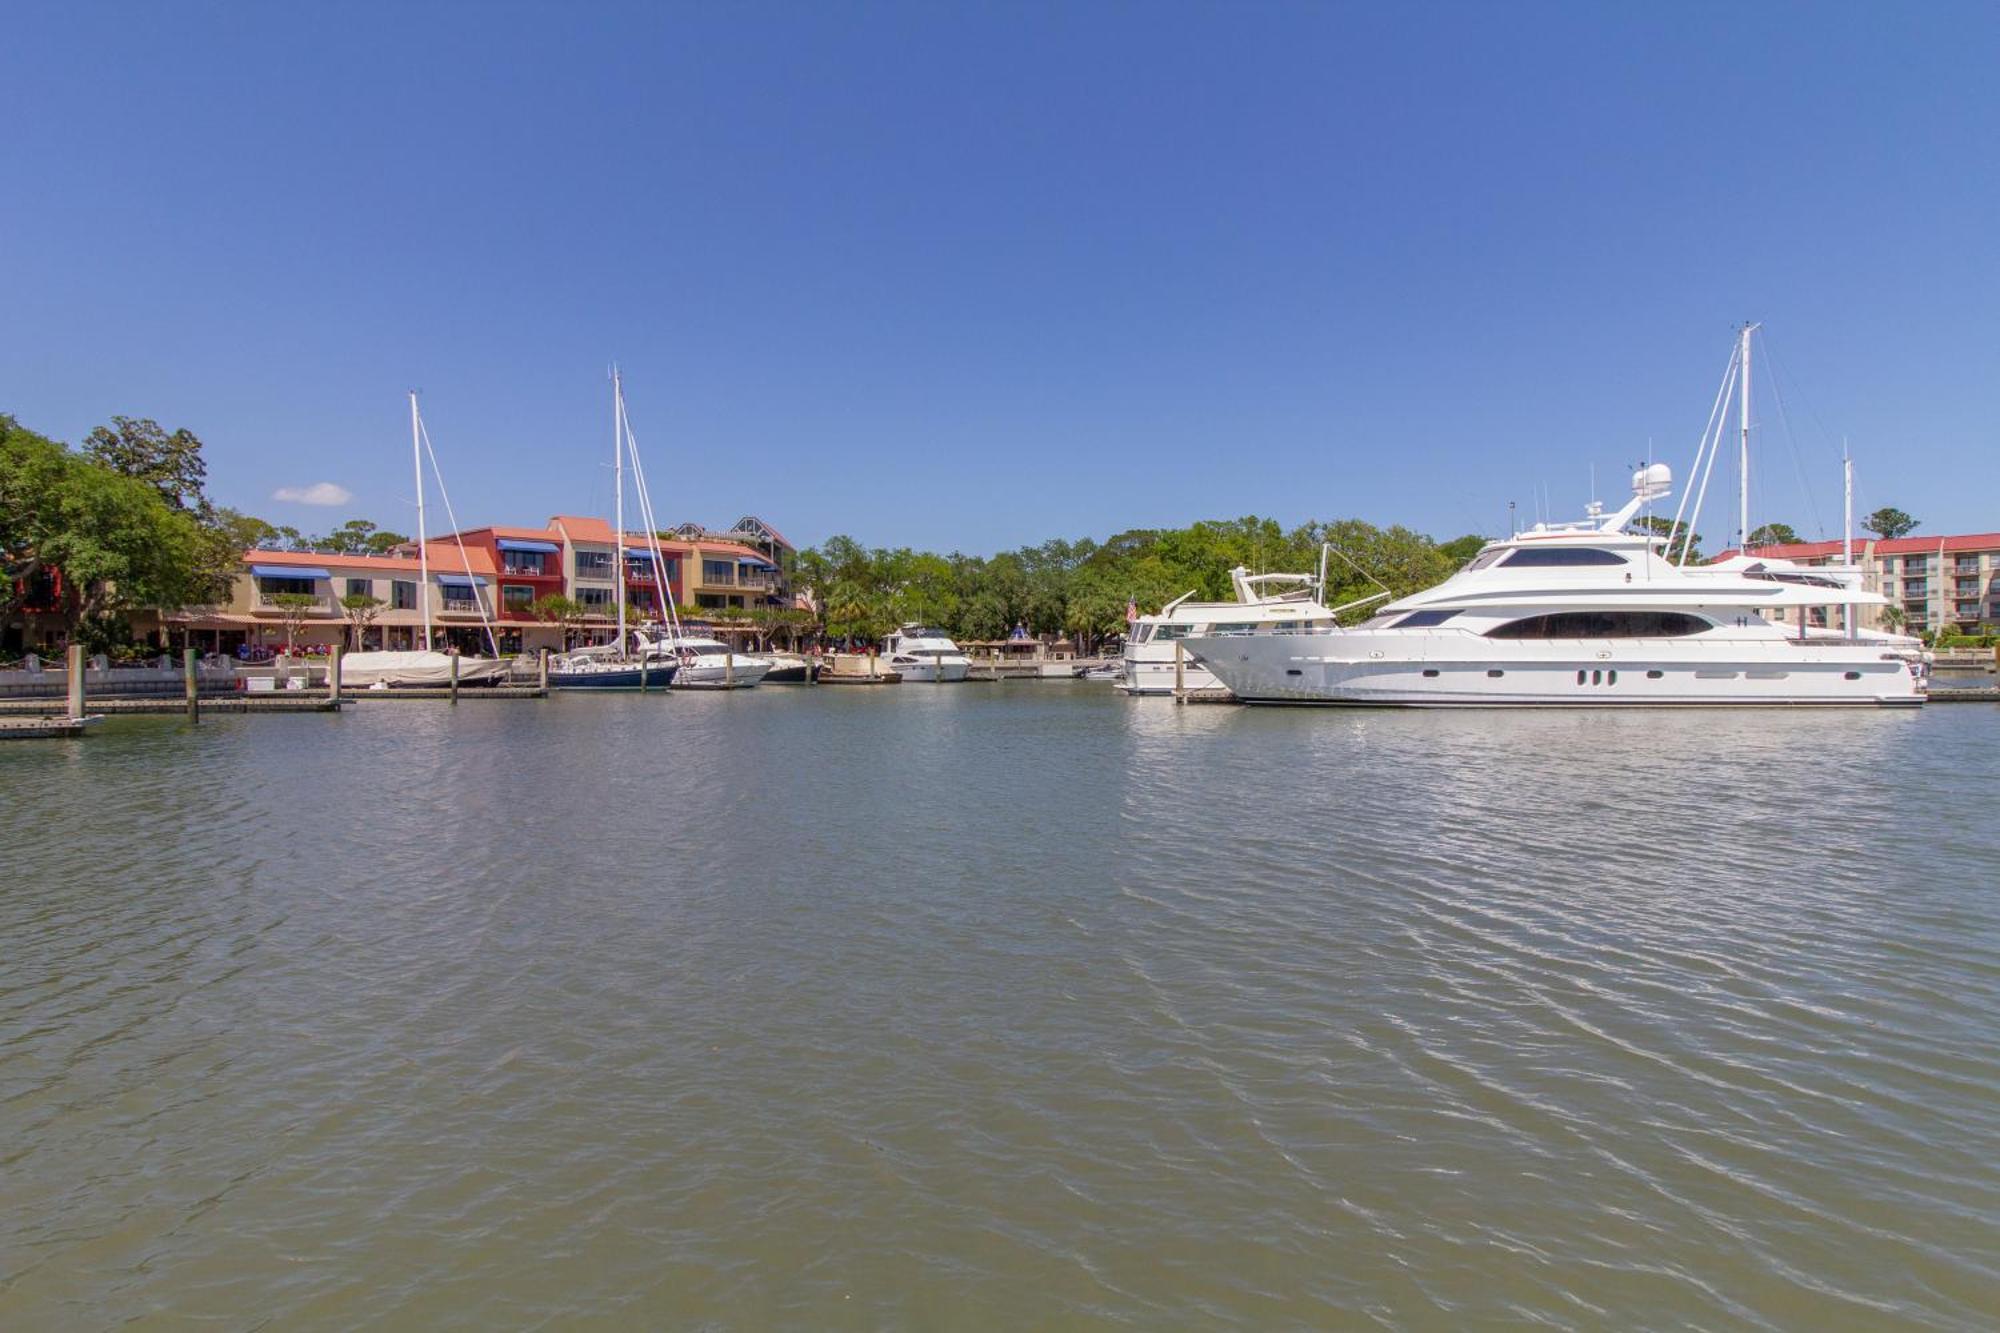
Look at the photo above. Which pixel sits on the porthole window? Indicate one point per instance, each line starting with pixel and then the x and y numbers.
pixel 1430 671
pixel 1854 675
pixel 1495 672
pixel 1579 678
pixel 1655 675
pixel 1612 676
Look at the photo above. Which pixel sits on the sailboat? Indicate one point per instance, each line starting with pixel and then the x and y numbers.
pixel 424 666
pixel 614 665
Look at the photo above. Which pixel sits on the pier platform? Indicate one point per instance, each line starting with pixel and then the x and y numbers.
pixel 42 728
pixel 468 693
pixel 1970 694
pixel 297 702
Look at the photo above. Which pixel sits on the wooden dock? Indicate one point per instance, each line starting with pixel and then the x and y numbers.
pixel 1214 696
pixel 1969 694
pixel 468 693
pixel 293 701
pixel 42 728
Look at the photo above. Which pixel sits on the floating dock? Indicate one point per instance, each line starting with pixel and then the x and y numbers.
pixel 466 692
pixel 42 728
pixel 295 702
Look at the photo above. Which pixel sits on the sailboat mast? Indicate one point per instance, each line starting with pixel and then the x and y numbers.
pixel 1847 531
pixel 618 475
pixel 423 556
pixel 1743 455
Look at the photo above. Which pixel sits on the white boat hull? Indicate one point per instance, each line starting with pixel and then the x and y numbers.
pixel 366 670
pixel 1463 670
pixel 932 672
pixel 713 674
pixel 1147 671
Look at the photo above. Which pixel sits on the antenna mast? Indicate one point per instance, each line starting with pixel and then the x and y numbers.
pixel 1847 532
pixel 423 557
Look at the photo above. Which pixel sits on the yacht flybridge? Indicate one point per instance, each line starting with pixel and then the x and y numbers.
pixel 1587 613
pixel 1267 601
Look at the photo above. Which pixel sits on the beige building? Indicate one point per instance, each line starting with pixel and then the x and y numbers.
pixel 1936 582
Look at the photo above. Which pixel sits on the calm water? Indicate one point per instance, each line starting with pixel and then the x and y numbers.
pixel 997 1005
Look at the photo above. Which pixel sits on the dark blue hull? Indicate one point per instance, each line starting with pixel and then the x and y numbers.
pixel 655 677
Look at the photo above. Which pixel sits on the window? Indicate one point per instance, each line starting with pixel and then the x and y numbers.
pixel 1424 619
pixel 523 562
pixel 1916 564
pixel 593 564
pixel 516 596
pixel 718 571
pixel 1485 558
pixel 1561 557
pixel 592 598
pixel 275 587
pixel 361 587
pixel 403 595
pixel 1602 625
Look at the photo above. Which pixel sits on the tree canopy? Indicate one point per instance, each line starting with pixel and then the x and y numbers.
pixel 1082 588
pixel 1889 522
pixel 1773 534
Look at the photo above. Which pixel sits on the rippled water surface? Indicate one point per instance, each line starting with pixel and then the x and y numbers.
pixel 963 1007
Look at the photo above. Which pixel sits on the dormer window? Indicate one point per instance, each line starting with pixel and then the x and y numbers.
pixel 1561 557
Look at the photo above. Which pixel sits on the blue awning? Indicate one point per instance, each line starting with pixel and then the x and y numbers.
pixel 543 548
pixel 632 554
pixel 289 572
pixel 761 564
pixel 459 581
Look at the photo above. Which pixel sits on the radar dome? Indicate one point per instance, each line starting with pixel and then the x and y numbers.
pixel 1652 481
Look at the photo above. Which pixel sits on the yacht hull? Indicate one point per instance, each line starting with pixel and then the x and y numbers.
pixel 655 677
pixel 1360 670
pixel 1150 672
pixel 716 676
pixel 931 673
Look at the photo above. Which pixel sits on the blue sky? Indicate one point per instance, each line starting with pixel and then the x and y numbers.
pixel 970 276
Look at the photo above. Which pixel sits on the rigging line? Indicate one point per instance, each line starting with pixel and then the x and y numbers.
pixel 1714 414
pixel 1714 451
pixel 464 555
pixel 666 587
pixel 1791 441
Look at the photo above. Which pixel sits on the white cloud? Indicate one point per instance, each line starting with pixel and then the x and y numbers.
pixel 319 493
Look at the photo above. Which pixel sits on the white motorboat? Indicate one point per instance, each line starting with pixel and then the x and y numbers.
pixel 704 663
pixel 1273 601
pixel 1586 613
pixel 417 669
pixel 921 654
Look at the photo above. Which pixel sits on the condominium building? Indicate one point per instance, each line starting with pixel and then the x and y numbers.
pixel 1935 582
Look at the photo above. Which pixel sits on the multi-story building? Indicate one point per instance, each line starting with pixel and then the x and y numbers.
pixel 748 565
pixel 1935 582
pixel 296 597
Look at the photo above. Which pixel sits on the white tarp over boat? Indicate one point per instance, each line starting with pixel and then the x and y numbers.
pixel 363 670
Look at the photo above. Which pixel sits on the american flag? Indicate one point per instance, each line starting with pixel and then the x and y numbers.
pixel 1131 610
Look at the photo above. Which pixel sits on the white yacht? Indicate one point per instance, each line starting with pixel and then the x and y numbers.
pixel 704 663
pixel 921 654
pixel 1272 601
pixel 1586 613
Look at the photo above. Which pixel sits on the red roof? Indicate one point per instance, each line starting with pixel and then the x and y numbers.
pixel 1971 541
pixel 578 529
pixel 549 534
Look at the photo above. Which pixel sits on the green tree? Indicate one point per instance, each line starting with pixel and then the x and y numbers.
pixel 1461 549
pixel 361 609
pixel 1773 534
pixel 293 609
pixel 1893 618
pixel 560 610
pixel 116 541
pixel 142 449
pixel 1682 539
pixel 1889 523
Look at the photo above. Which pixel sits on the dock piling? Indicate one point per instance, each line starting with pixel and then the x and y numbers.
pixel 193 683
pixel 73 665
pixel 1180 668
pixel 333 674
pixel 542 671
pixel 729 667
pixel 454 677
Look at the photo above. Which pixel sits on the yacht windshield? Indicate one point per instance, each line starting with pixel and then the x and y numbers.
pixel 1561 557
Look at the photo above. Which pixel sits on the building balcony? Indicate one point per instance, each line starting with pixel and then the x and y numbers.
pixel 460 606
pixel 508 572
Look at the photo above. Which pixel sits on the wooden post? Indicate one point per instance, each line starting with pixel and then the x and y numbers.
pixel 454 678
pixel 193 685
pixel 871 666
pixel 542 672
pixel 729 666
pixel 643 673
pixel 333 674
pixel 1180 668
pixel 74 668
